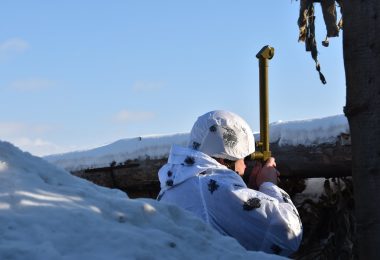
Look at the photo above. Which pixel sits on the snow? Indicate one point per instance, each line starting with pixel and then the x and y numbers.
pixel 309 132
pixel 313 190
pixel 299 132
pixel 46 213
pixel 154 146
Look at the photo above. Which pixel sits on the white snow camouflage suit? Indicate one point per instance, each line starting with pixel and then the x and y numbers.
pixel 264 220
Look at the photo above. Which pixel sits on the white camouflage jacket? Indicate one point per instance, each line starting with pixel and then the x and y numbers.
pixel 264 220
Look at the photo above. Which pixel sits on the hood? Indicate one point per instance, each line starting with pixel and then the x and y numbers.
pixel 184 163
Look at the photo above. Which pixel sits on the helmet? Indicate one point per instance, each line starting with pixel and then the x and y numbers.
pixel 222 134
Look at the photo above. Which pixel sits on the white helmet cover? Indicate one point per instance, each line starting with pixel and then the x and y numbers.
pixel 222 134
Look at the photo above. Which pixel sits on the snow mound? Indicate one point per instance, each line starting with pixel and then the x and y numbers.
pixel 300 132
pixel 309 132
pixel 154 147
pixel 46 213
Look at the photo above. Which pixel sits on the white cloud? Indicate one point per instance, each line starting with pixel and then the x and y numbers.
pixel 147 85
pixel 24 141
pixel 14 45
pixel 9 129
pixel 127 116
pixel 28 138
pixel 39 146
pixel 31 84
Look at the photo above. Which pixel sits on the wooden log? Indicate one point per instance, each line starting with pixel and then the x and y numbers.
pixel 318 161
pixel 139 179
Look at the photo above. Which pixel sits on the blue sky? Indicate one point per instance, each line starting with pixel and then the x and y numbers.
pixel 80 74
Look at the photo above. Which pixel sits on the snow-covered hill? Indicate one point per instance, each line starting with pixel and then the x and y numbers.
pixel 300 132
pixel 46 213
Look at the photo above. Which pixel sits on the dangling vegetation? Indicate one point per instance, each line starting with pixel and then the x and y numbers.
pixel 306 24
pixel 329 223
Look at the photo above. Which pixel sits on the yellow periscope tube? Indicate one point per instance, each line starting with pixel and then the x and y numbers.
pixel 262 147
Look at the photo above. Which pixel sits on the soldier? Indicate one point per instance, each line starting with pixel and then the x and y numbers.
pixel 205 179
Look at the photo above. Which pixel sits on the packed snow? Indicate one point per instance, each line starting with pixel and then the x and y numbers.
pixel 46 213
pixel 309 132
pixel 119 151
pixel 301 132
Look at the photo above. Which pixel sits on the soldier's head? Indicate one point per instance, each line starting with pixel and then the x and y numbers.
pixel 225 136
